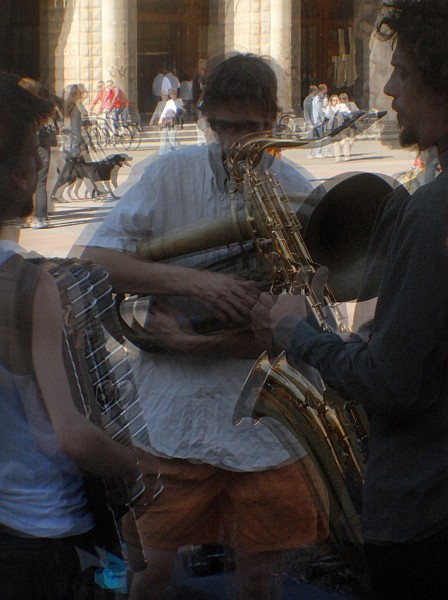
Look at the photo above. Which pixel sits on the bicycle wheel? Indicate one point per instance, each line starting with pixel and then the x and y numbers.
pixel 136 136
pixel 103 136
pixel 125 137
pixel 288 124
pixel 91 137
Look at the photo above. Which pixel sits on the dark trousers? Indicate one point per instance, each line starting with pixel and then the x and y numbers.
pixel 40 198
pixel 38 568
pixel 414 571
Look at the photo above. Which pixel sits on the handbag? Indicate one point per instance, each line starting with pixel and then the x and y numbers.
pixel 48 136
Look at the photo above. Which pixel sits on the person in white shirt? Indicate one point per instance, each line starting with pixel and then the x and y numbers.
pixel 236 485
pixel 170 119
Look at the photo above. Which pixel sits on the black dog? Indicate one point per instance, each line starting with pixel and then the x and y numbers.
pixel 76 170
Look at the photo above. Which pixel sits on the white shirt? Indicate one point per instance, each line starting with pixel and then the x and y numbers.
pixel 170 109
pixel 189 401
pixel 166 85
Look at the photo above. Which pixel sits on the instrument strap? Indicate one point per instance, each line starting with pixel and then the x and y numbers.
pixel 18 279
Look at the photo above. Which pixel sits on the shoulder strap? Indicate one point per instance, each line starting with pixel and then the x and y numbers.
pixel 18 279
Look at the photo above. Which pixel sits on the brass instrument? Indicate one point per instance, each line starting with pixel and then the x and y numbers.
pixel 282 393
pixel 333 432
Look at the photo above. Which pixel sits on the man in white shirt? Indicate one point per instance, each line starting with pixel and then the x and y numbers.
pixel 234 485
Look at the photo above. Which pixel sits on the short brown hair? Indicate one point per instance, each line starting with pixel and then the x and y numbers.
pixel 241 79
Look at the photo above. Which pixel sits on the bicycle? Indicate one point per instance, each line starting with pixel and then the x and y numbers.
pixel 286 123
pixel 105 134
pixel 135 131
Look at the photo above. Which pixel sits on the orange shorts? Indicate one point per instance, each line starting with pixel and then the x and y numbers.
pixel 258 511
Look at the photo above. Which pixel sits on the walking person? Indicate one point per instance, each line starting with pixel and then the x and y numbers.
pixel 344 99
pixel 318 116
pixel 308 115
pixel 47 140
pixel 171 118
pixel 336 113
pixel 77 150
pixel 156 88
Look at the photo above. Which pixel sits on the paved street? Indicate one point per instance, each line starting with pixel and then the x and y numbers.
pixel 70 221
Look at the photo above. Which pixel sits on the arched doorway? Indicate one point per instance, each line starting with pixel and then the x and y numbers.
pixel 170 34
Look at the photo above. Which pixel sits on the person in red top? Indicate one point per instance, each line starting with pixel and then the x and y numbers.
pixel 100 97
pixel 115 102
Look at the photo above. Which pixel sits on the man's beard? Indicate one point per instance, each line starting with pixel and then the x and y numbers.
pixel 407 139
pixel 410 140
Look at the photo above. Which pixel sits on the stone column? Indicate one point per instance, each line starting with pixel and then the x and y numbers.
pixel 281 49
pixel 119 45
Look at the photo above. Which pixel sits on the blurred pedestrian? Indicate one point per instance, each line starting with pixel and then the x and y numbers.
pixel 169 122
pixel 318 116
pixel 47 136
pixel 308 115
pixel 115 103
pixel 100 97
pixel 77 150
pixel 156 88
pixel 186 94
pixel 336 114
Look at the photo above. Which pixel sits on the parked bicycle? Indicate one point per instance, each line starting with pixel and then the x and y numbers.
pixel 286 123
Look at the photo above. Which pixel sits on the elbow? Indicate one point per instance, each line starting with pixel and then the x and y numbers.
pixel 76 439
pixel 76 446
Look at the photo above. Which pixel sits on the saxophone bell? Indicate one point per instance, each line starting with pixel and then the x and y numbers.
pixel 282 398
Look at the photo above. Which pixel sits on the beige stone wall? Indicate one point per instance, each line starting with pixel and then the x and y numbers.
pixel 83 41
pixel 259 26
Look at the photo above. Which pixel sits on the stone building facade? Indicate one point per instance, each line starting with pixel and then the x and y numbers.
pixel 311 41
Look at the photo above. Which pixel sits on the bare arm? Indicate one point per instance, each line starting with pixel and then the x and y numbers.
pixel 85 443
pixel 234 298
pixel 242 343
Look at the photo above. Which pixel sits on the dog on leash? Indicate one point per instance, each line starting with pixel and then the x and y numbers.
pixel 73 174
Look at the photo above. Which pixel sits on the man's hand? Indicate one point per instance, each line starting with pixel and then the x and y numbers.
pixel 270 310
pixel 174 333
pixel 165 325
pixel 232 298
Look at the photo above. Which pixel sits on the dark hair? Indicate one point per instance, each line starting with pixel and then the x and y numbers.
pixel 21 112
pixel 72 96
pixel 241 79
pixel 420 26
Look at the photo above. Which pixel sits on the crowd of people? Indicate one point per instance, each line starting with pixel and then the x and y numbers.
pixel 322 115
pixel 252 487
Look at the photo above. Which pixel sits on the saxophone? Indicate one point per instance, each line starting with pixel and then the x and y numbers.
pixel 333 432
